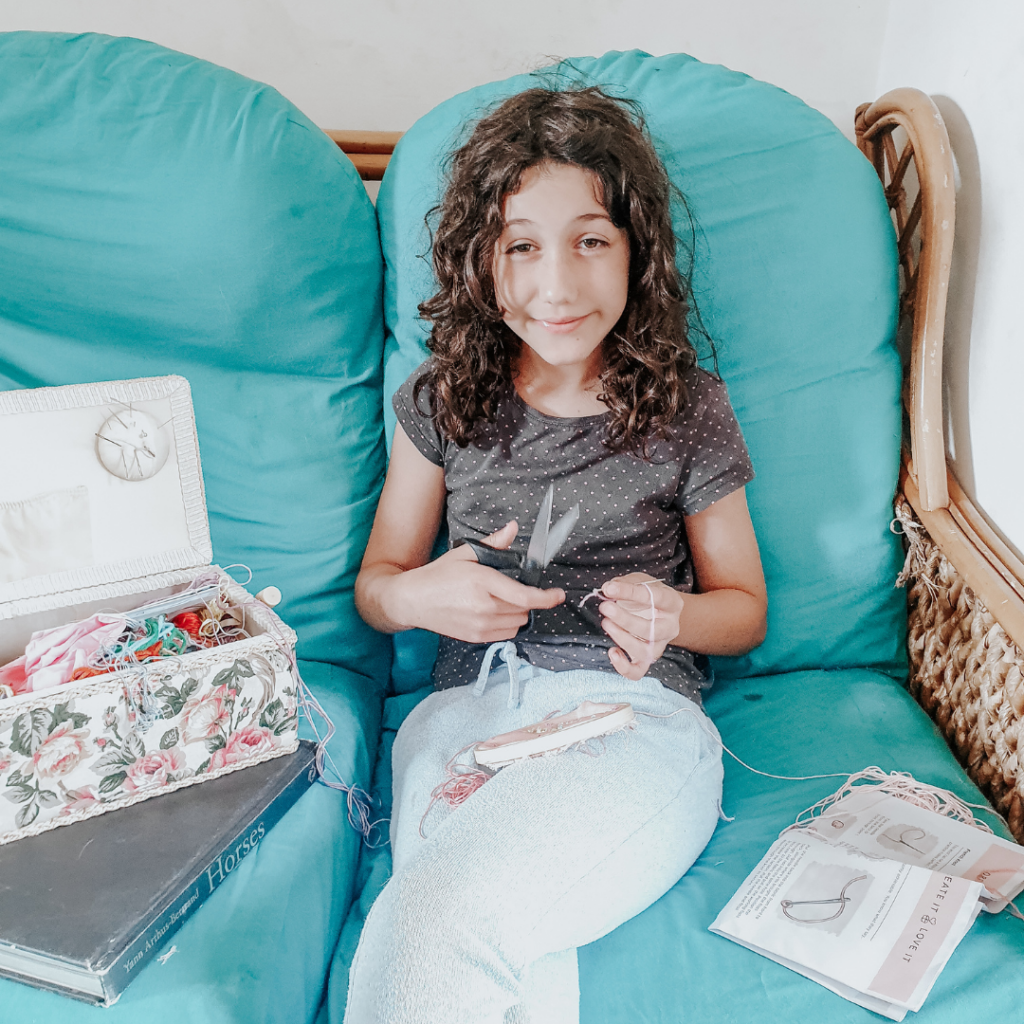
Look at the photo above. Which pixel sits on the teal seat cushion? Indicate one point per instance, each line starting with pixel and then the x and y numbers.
pixel 160 215
pixel 260 947
pixel 375 861
pixel 664 966
pixel 795 277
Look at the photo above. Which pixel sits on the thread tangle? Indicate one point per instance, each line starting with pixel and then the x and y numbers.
pixel 460 783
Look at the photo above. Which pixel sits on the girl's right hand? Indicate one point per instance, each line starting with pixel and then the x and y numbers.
pixel 456 596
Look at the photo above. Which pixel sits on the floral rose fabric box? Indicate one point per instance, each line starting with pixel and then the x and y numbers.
pixel 106 742
pixel 100 520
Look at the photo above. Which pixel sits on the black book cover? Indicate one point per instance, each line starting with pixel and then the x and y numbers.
pixel 84 907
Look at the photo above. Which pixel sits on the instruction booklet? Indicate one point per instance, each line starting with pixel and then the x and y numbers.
pixel 871 897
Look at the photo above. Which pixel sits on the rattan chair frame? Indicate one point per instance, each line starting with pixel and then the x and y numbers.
pixel 965 585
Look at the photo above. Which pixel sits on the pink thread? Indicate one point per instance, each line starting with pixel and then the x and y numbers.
pixel 906 787
pixel 462 782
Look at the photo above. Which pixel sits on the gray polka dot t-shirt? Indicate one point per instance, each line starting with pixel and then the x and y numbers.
pixel 631 513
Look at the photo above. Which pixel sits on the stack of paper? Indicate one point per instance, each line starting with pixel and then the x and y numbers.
pixel 871 898
pixel 880 825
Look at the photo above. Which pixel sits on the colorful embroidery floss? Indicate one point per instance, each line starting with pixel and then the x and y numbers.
pixel 359 803
pixel 189 622
pixel 204 617
pixel 156 638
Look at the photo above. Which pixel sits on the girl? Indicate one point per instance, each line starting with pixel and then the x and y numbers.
pixel 559 356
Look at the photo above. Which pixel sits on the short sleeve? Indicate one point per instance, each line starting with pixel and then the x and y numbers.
pixel 413 413
pixel 716 460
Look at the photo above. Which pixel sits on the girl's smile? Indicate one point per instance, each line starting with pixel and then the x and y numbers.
pixel 562 326
pixel 561 273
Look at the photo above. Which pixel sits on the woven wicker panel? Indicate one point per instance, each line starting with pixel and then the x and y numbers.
pixel 964 670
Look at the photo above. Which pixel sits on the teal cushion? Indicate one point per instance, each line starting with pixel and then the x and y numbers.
pixel 375 861
pixel 803 723
pixel 796 280
pixel 664 966
pixel 260 947
pixel 161 215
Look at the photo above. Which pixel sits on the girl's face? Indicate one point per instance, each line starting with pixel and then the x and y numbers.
pixel 561 267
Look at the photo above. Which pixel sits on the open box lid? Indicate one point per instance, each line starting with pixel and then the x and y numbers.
pixel 100 485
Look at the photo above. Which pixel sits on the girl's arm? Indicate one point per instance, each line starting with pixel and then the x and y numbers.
pixel 399 588
pixel 727 614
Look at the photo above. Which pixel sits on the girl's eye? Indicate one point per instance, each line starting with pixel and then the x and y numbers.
pixel 519 247
pixel 593 243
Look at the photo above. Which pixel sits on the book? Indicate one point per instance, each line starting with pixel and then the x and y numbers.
pixel 84 908
pixel 871 897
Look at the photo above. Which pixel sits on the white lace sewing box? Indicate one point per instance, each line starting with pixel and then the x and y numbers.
pixel 102 509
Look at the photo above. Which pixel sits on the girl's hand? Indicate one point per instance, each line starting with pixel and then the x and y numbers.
pixel 399 587
pixel 641 632
pixel 456 596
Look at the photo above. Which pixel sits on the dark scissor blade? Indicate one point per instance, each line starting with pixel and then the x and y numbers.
pixel 506 562
pixel 560 533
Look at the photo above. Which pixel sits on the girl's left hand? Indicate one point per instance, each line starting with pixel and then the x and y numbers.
pixel 627 619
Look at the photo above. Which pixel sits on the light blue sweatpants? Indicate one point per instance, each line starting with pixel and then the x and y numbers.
pixel 549 854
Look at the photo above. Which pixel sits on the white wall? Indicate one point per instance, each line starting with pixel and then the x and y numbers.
pixel 970 58
pixel 382 63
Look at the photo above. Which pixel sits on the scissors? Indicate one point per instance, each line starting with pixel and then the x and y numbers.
pixel 545 543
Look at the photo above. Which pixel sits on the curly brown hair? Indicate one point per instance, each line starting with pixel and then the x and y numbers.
pixel 647 355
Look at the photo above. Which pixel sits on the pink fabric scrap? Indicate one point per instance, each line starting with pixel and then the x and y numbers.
pixel 13 675
pixel 52 655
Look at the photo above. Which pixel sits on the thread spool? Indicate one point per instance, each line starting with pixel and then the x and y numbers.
pixel 270 596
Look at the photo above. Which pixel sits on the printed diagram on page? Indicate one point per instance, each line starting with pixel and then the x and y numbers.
pixel 824 895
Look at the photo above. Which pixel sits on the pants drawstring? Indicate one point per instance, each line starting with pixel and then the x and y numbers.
pixel 508 653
